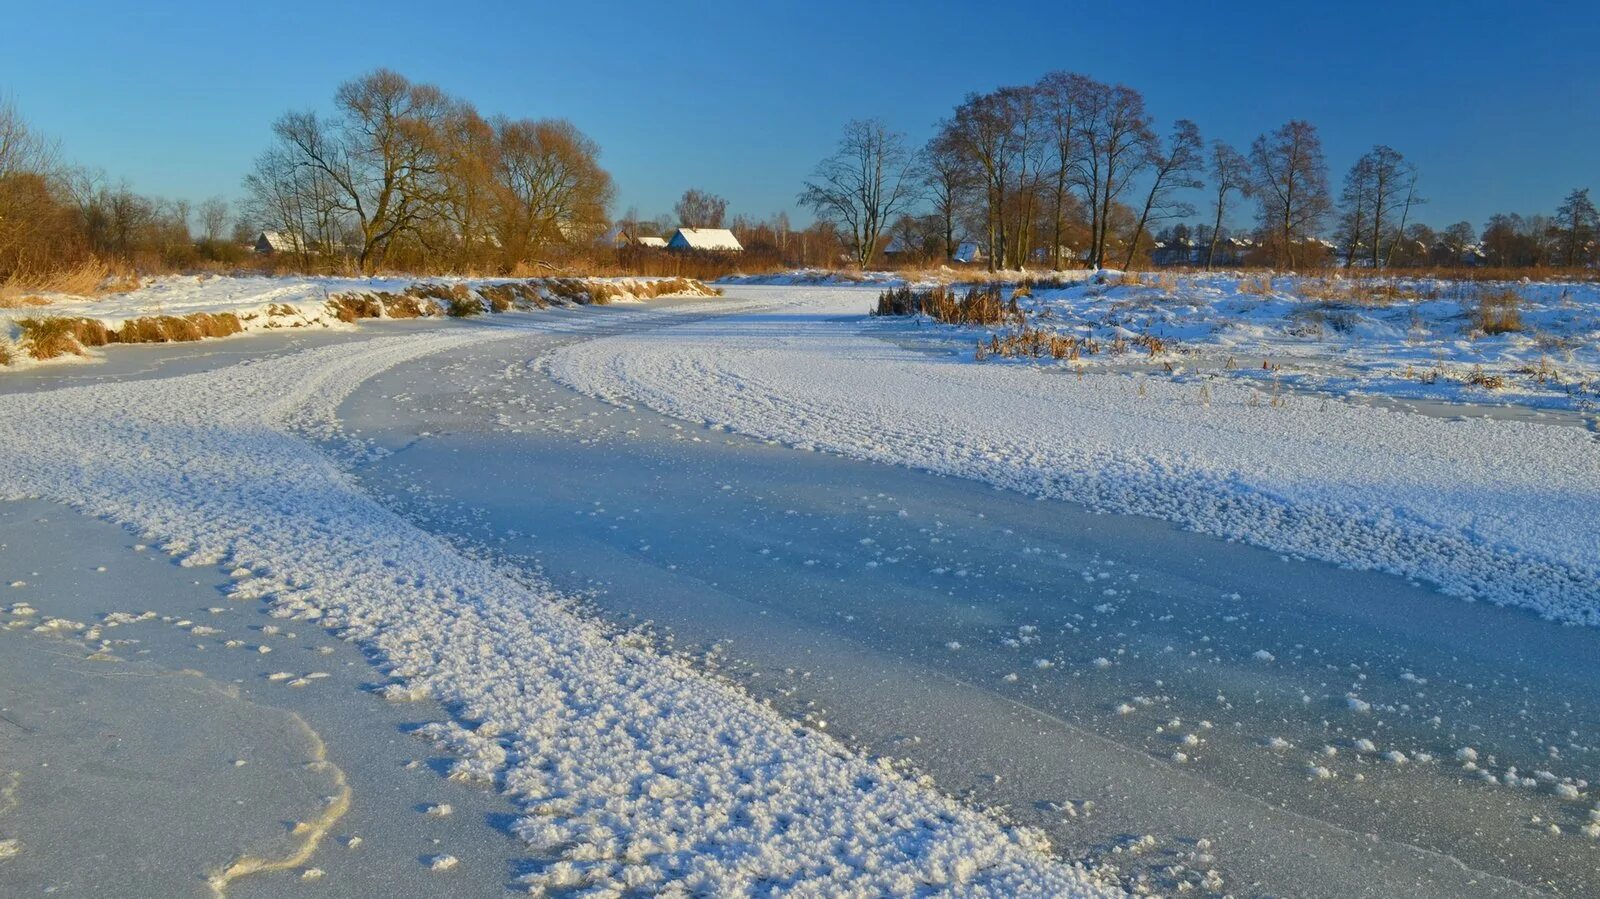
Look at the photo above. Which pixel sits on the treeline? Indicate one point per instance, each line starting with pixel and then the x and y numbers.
pixel 406 176
pixel 62 221
pixel 1073 171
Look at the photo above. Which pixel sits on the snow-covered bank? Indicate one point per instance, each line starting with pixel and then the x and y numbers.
pixel 633 770
pixel 1493 510
pixel 185 308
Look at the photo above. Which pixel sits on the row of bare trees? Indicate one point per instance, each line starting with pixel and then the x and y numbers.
pixel 404 175
pixel 56 217
pixel 1072 170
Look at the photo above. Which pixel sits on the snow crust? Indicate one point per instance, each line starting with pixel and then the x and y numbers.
pixel 635 771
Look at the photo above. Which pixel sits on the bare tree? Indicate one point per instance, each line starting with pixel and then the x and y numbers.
pixel 1230 173
pixel 700 209
pixel 1291 186
pixel 468 153
pixel 1577 222
pixel 1062 96
pixel 985 129
pixel 1379 192
pixel 949 182
pixel 550 187
pixel 1173 168
pixel 213 218
pixel 1033 146
pixel 379 160
pixel 1116 133
pixel 867 181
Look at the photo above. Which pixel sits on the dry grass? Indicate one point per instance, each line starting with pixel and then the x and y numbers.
pixel 177 329
pixel 19 300
pixel 219 324
pixel 457 300
pixel 351 307
pixel 500 297
pixel 463 307
pixel 1478 378
pixel 1256 285
pixel 47 338
pixel 1498 312
pixel 397 305
pixel 1030 343
pixel 86 279
pixel 979 306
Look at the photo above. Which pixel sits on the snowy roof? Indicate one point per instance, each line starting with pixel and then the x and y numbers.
pixel 276 242
pixel 712 239
pixel 652 242
pixel 896 245
pixel 968 252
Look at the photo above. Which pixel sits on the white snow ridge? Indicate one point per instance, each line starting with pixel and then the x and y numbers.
pixel 634 771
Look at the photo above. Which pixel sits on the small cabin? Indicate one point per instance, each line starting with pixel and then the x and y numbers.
pixel 272 242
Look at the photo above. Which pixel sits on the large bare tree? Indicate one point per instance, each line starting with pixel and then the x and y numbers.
pixel 379 158
pixel 870 178
pixel 1379 192
pixel 986 130
pixel 1116 134
pixel 700 209
pixel 1291 187
pixel 1061 100
pixel 550 187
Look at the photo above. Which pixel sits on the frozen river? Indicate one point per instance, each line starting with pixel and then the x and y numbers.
pixel 1177 710
pixel 1292 724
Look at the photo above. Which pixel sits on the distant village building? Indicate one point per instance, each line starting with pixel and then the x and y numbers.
pixel 704 240
pixel 898 250
pixel 1231 251
pixel 968 253
pixel 271 242
pixel 622 236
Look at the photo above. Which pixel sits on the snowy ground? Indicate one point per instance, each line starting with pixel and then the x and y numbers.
pixel 1254 704
pixel 1486 509
pixel 1411 338
pixel 630 770
pixel 963 628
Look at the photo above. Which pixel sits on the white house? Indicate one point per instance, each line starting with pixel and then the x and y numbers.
pixel 269 242
pixel 704 240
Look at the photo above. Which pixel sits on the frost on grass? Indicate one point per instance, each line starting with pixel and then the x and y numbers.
pixel 627 765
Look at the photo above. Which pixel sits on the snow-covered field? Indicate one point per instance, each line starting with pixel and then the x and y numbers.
pixel 633 772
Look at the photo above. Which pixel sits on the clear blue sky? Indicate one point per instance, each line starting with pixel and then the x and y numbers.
pixel 1498 103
